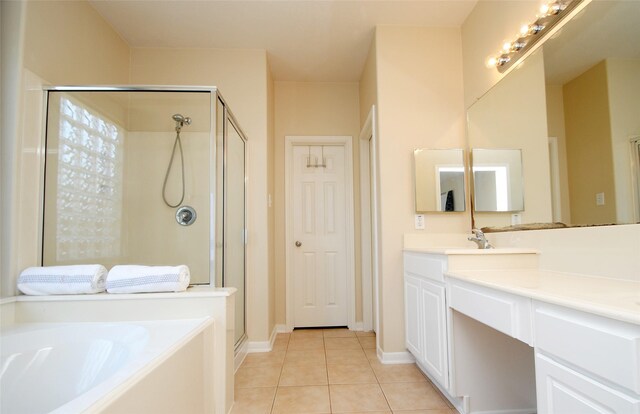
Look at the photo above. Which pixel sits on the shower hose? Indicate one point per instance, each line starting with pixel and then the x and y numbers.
pixel 176 143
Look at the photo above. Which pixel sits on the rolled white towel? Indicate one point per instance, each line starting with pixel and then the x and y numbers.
pixel 62 280
pixel 145 279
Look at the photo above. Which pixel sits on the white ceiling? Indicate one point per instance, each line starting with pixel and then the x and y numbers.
pixel 306 40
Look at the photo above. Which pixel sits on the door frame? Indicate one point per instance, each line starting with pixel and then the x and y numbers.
pixel 369 225
pixel 556 194
pixel 346 142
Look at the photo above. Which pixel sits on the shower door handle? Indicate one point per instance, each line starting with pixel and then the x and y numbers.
pixel 298 244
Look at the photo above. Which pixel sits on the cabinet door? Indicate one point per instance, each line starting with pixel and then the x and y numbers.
pixel 413 324
pixel 564 391
pixel 434 339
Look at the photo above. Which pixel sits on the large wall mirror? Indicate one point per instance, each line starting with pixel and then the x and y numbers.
pixel 439 180
pixel 573 107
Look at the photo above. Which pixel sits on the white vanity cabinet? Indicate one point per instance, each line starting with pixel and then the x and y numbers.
pixel 585 363
pixel 426 313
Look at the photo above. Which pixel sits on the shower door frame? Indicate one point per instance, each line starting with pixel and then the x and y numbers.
pixel 215 95
pixel 233 123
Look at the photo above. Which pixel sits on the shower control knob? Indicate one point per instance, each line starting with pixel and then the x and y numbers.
pixel 186 215
pixel 298 244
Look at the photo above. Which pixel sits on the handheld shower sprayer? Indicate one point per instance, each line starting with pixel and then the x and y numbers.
pixel 177 144
pixel 181 121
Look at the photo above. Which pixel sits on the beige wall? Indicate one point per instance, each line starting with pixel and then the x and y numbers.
pixel 242 78
pixel 64 43
pixel 512 115
pixel 624 101
pixel 420 105
pixel 68 42
pixel 313 109
pixel 590 159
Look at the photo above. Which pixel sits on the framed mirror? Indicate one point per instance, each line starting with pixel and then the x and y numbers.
pixel 439 180
pixel 572 106
pixel 497 180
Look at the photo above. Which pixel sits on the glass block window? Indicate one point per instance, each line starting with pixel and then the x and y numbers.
pixel 90 170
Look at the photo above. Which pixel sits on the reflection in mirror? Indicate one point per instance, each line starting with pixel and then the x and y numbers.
pixel 592 76
pixel 497 180
pixel 572 106
pixel 107 154
pixel 439 180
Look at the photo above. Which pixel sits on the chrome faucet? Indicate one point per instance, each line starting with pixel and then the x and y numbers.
pixel 479 239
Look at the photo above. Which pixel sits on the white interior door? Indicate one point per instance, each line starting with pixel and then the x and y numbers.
pixel 319 250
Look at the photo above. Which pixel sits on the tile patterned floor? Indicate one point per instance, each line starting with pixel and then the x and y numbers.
pixel 331 371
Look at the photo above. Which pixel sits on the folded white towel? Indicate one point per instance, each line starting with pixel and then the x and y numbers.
pixel 144 279
pixel 62 280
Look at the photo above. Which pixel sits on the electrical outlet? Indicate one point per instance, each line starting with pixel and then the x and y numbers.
pixel 420 222
pixel 600 199
pixel 516 219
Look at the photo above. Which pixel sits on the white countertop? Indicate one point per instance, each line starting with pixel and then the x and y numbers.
pixel 463 250
pixel 612 298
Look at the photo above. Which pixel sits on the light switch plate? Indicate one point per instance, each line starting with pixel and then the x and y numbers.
pixel 420 222
pixel 600 199
pixel 516 219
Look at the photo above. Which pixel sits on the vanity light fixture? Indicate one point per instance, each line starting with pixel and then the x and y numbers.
pixel 550 14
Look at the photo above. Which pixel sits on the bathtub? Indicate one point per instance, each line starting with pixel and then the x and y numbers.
pixel 150 353
pixel 70 367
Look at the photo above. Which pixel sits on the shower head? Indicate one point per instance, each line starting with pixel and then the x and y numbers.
pixel 181 121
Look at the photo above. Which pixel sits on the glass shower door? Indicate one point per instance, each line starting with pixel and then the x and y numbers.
pixel 234 221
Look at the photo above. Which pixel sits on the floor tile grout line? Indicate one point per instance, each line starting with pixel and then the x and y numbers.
pixel 275 394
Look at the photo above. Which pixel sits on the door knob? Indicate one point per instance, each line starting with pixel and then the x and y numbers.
pixel 298 244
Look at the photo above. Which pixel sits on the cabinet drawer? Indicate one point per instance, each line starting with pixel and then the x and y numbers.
pixel 507 313
pixel 562 390
pixel 605 347
pixel 423 265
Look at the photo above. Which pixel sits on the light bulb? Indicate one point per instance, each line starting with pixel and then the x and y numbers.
pixel 506 47
pixel 524 30
pixel 492 62
pixel 544 9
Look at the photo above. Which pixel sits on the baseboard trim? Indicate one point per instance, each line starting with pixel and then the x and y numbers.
pixel 458 403
pixel 395 357
pixel 240 356
pixel 358 326
pixel 263 346
pixel 282 329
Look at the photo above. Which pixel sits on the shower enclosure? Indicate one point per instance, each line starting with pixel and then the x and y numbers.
pixel 146 175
